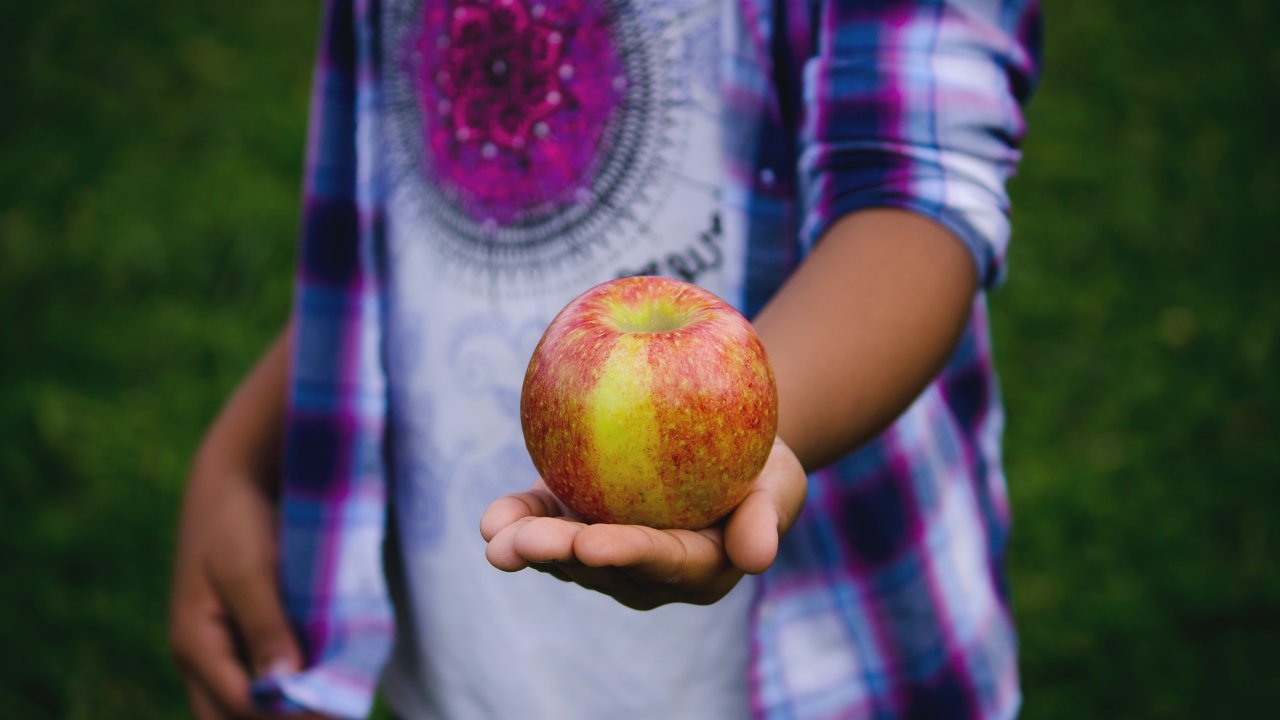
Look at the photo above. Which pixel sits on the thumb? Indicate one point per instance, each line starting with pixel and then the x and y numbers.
pixel 757 525
pixel 252 600
pixel 243 574
pixel 243 570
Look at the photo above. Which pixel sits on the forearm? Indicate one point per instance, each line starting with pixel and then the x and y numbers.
pixel 863 326
pixel 247 435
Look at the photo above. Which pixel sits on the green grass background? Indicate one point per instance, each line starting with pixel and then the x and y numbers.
pixel 149 172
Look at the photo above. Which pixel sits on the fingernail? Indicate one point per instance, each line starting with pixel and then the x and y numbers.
pixel 283 666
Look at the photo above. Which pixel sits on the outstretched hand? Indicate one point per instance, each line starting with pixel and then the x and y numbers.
pixel 641 567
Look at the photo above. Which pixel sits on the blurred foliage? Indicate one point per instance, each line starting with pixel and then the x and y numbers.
pixel 148 203
pixel 1139 339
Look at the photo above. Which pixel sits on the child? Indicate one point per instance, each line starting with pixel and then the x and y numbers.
pixel 835 169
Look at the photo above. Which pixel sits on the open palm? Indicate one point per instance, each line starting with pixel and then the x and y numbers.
pixel 642 567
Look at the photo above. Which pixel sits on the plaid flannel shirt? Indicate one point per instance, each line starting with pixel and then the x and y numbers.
pixel 888 598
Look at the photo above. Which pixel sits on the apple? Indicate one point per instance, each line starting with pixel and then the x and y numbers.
pixel 649 401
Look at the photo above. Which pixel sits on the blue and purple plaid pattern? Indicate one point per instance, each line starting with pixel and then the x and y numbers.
pixel 888 598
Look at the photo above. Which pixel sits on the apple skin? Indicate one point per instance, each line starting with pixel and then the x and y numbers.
pixel 649 401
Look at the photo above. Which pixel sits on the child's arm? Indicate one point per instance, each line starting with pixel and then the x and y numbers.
pixel 907 105
pixel 225 590
pixel 856 333
pixel 867 321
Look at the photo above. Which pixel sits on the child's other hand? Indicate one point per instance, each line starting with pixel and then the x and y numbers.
pixel 225 616
pixel 641 567
pixel 225 603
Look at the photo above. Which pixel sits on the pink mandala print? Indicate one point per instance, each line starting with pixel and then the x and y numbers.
pixel 520 130
pixel 516 96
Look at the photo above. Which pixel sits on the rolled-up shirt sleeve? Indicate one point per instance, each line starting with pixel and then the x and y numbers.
pixel 918 106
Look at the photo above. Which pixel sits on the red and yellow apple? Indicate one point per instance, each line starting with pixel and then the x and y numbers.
pixel 649 401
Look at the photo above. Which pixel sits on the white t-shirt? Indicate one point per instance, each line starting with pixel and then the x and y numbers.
pixel 535 148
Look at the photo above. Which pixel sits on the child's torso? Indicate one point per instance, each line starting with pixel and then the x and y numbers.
pixel 533 148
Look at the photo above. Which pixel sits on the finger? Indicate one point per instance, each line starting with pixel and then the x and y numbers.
pixel 546 540
pixel 252 598
pixel 668 557
pixel 244 576
pixel 204 648
pixel 501 552
pixel 205 707
pixel 206 653
pixel 535 502
pixel 202 704
pixel 752 534
pixel 756 526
